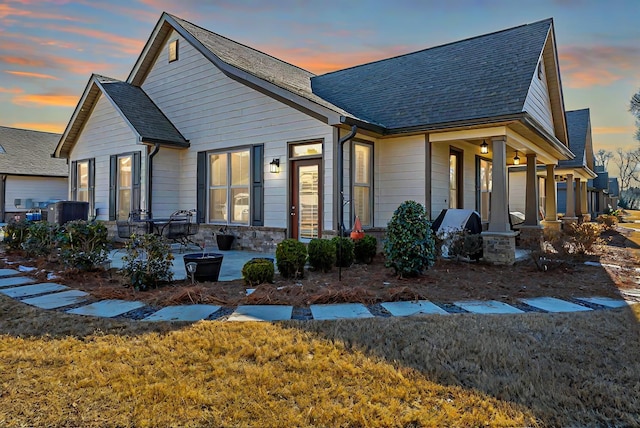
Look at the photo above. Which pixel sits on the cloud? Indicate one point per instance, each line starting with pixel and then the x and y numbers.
pixel 56 128
pixel 23 61
pixel 127 45
pixel 29 74
pixel 58 100
pixel 7 11
pixel 11 90
pixel 600 130
pixel 588 66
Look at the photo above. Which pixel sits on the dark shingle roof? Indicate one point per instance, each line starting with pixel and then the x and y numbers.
pixel 485 76
pixel 27 152
pixel 143 114
pixel 578 123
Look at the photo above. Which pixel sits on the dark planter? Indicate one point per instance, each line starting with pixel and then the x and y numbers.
pixel 208 265
pixel 224 241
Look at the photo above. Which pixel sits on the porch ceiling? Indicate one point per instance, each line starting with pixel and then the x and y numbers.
pixel 583 173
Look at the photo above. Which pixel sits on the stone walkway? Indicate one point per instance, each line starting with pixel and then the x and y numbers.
pixel 60 297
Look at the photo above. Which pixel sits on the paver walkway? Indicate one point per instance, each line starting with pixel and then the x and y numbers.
pixel 59 297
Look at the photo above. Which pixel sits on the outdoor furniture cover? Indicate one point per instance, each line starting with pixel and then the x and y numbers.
pixel 451 221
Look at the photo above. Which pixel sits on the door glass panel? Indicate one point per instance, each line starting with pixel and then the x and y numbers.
pixel 308 196
pixel 453 181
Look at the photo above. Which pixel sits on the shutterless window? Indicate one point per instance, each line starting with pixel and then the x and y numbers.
pixel 229 180
pixel 82 177
pixel 173 50
pixel 455 179
pixel 362 182
pixel 125 187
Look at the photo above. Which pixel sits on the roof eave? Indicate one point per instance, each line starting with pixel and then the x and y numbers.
pixel 166 143
pixel 563 151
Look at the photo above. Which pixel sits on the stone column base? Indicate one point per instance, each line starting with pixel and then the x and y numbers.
pixel 567 220
pixel 499 248
pixel 531 237
pixel 552 224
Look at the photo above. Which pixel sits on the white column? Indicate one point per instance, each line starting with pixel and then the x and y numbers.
pixel 532 196
pixel 499 217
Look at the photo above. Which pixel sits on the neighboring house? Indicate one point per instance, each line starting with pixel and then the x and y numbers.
pixel 29 177
pixel 274 151
pixel 603 192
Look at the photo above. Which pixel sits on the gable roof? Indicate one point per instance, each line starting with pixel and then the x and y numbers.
pixel 28 152
pixel 477 78
pixel 579 129
pixel 136 108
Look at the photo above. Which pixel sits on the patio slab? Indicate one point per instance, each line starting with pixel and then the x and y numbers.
pixel 488 307
pixel 107 308
pixel 183 313
pixel 405 309
pixel 551 304
pixel 8 272
pixel 32 290
pixel 16 280
pixel 261 313
pixel 340 311
pixel 604 301
pixel 57 300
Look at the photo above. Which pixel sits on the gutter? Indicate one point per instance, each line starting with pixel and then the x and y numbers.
pixel 150 156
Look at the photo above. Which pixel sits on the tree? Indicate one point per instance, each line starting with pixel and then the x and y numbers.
pixel 634 108
pixel 603 157
pixel 629 165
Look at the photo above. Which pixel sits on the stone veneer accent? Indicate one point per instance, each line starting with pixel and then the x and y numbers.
pixel 499 248
pixel 531 237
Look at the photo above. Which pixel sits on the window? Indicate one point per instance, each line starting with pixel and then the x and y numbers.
pixel 124 185
pixel 362 183
pixel 173 50
pixel 229 180
pixel 83 181
pixel 455 179
pixel 304 150
pixel 82 177
pixel 484 185
pixel 542 194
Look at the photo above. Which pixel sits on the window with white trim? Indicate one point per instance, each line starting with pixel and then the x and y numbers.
pixel 363 183
pixel 229 184
pixel 124 201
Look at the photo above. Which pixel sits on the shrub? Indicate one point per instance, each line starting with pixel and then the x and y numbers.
pixel 258 271
pixel 322 254
pixel 365 249
pixel 147 261
pixel 607 220
pixel 583 237
pixel 409 247
pixel 83 245
pixel 344 251
pixel 15 233
pixel 41 239
pixel 466 244
pixel 291 256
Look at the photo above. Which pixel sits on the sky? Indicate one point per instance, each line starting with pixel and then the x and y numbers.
pixel 49 48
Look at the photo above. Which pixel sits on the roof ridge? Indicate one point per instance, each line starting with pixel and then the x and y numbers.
pixel 29 130
pixel 440 46
pixel 178 19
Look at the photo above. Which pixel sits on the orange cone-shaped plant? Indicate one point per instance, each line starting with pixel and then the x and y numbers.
pixel 357 232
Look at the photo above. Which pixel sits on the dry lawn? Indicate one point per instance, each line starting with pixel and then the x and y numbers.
pixel 458 370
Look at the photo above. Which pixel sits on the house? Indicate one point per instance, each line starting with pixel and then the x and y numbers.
pixel 274 151
pixel 29 177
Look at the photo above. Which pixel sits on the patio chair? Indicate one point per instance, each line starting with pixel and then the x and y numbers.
pixel 181 227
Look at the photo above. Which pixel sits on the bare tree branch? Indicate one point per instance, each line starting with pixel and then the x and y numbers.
pixel 629 165
pixel 603 157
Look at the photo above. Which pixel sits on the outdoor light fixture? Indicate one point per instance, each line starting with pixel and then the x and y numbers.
pixel 516 159
pixel 484 147
pixel 274 166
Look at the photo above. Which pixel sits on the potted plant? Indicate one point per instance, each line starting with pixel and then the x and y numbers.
pixel 203 266
pixel 224 239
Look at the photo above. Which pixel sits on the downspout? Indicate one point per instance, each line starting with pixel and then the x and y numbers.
pixel 340 159
pixel 150 156
pixel 3 197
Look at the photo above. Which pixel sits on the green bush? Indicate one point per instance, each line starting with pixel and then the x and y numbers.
pixel 322 254
pixel 147 261
pixel 41 239
pixel 258 271
pixel 83 245
pixel 365 249
pixel 409 247
pixel 16 233
pixel 291 256
pixel 344 251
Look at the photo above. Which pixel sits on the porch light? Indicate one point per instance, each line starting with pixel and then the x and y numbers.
pixel 484 147
pixel 516 159
pixel 274 166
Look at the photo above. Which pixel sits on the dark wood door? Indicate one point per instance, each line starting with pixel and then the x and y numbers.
pixel 305 211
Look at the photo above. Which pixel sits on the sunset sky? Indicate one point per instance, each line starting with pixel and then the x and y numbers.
pixel 49 48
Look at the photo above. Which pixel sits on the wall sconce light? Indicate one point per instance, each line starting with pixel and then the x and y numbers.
pixel 274 166
pixel 484 147
pixel 516 159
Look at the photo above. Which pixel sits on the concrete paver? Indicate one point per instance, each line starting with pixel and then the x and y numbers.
pixel 340 311
pixel 488 307
pixel 15 280
pixel 8 272
pixel 261 313
pixel 183 313
pixel 32 290
pixel 551 304
pixel 604 301
pixel 107 308
pixel 405 309
pixel 57 300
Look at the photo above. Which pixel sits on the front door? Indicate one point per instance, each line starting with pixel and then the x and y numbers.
pixel 306 199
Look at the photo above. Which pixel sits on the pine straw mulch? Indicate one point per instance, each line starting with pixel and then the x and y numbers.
pixel 448 281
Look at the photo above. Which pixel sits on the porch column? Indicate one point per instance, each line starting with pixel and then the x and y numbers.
pixel 551 201
pixel 499 217
pixel 532 196
pixel 570 211
pixel 584 201
pixel 579 211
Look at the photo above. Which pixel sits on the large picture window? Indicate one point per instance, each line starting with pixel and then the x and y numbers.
pixel 229 184
pixel 124 185
pixel 83 182
pixel 362 183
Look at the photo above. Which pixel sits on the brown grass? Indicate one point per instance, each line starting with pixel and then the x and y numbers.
pixel 457 370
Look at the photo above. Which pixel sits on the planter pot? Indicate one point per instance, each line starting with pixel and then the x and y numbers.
pixel 224 241
pixel 207 265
